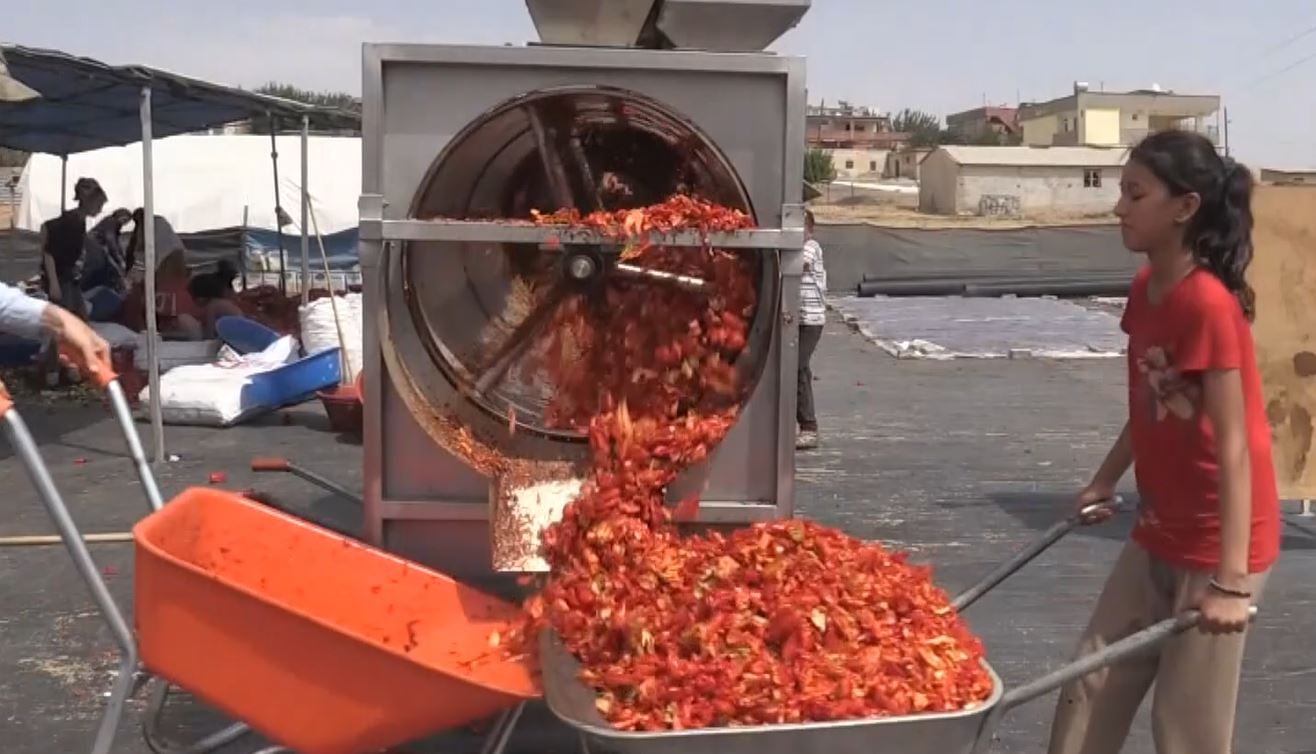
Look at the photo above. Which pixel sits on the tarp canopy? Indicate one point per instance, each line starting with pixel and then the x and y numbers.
pixel 203 183
pixel 85 104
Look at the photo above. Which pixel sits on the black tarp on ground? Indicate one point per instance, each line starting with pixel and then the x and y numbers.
pixel 851 251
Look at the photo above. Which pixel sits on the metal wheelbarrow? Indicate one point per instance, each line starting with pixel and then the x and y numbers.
pixel 318 642
pixel 964 732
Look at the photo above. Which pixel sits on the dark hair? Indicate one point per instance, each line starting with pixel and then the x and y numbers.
pixel 86 189
pixel 1220 232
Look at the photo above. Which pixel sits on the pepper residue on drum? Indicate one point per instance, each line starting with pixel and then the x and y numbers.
pixel 777 623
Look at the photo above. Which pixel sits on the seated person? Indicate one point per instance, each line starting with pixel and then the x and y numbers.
pixel 179 316
pixel 104 275
pixel 214 286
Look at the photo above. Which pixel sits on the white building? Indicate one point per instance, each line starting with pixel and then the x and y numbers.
pixel 1018 181
pixel 858 163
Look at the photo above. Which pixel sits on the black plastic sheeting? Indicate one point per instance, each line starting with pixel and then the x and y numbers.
pixel 1071 286
pixel 1072 252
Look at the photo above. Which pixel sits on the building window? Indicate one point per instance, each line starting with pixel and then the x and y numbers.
pixel 1092 179
pixel 849 164
pixel 872 165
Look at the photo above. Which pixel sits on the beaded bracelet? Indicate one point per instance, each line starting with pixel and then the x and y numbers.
pixel 1217 586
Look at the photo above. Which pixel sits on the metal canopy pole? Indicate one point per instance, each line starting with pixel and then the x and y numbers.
pixel 278 207
pixel 63 182
pixel 306 193
pixel 148 236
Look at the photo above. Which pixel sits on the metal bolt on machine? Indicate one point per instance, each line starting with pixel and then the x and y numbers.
pixel 620 104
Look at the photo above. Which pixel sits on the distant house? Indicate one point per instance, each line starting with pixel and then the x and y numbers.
pixel 905 163
pixel 852 164
pixel 1018 181
pixel 1108 119
pixel 1288 177
pixel 977 123
pixel 846 126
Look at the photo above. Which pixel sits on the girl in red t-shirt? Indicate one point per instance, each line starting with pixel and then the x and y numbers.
pixel 1197 437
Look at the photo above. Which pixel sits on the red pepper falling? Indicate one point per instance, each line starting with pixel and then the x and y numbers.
pixel 777 623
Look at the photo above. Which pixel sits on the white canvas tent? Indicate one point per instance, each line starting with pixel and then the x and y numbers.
pixel 83 105
pixel 206 182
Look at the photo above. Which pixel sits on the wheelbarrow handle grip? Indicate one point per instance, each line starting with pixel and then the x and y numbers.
pixel 1025 556
pixel 270 463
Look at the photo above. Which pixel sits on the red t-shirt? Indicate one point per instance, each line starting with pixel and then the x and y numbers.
pixel 1198 326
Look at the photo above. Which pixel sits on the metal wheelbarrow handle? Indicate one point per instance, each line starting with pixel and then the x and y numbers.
pixel 1143 641
pixel 1025 556
pixel 105 378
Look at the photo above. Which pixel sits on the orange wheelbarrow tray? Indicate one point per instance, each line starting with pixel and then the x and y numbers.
pixel 317 641
pixel 313 639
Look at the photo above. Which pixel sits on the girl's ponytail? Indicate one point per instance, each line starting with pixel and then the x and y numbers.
pixel 1224 234
pixel 1220 232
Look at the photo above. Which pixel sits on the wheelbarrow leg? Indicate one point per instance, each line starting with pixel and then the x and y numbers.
pixel 501 734
pixel 157 743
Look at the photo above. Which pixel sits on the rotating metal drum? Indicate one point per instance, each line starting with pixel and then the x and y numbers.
pixel 466 317
pixel 459 145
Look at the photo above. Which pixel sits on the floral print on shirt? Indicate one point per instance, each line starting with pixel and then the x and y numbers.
pixel 1166 393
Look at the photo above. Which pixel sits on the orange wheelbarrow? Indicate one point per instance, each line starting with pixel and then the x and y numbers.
pixel 318 642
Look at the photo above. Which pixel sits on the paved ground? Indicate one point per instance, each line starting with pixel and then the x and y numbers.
pixel 960 462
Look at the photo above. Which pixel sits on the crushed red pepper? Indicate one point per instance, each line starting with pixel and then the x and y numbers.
pixel 781 622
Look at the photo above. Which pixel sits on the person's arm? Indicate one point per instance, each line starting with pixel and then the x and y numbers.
pixel 1225 607
pixel 20 314
pixel 28 317
pixel 1102 487
pixel 810 255
pixel 1117 462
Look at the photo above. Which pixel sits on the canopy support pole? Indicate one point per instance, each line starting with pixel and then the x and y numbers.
pixel 278 207
pixel 63 183
pixel 306 194
pixel 148 243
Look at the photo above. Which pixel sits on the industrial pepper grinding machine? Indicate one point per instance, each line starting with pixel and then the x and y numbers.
pixel 622 104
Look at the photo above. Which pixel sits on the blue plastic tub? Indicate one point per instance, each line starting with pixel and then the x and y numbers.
pixel 294 383
pixel 244 335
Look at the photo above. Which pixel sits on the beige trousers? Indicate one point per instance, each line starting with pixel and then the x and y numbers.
pixel 1196 674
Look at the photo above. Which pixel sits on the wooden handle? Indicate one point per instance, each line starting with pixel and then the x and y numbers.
pixel 270 463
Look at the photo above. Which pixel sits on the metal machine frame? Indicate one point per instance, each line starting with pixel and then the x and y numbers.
pixel 384 226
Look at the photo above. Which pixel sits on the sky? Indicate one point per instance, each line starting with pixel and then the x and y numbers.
pixel 935 55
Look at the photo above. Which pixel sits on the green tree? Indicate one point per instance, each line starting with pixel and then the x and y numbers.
pixel 339 100
pixel 818 167
pixel 924 128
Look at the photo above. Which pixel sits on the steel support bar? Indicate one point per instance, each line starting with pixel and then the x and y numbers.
pixel 553 235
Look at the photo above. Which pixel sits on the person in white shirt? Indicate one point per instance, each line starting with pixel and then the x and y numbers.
pixel 813 315
pixel 29 317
